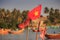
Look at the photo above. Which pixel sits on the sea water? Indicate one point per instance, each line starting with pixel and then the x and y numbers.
pixel 31 35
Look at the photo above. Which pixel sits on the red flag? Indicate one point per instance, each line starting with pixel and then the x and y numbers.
pixel 21 25
pixel 35 13
pixel 24 24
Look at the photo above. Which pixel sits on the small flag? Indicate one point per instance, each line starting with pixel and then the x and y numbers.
pixel 21 26
pixel 42 36
pixel 43 32
pixel 24 24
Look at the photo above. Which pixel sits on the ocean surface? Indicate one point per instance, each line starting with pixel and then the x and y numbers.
pixel 31 35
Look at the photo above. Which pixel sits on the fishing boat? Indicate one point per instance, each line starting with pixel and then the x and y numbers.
pixel 53 36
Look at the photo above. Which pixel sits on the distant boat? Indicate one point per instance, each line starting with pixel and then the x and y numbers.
pixel 4 31
pixel 17 32
pixel 53 36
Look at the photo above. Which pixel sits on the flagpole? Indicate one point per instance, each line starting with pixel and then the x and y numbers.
pixel 27 32
pixel 36 35
pixel 37 31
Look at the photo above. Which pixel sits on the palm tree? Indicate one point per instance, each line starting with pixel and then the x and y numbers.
pixel 46 10
pixel 51 15
pixel 3 12
pixel 57 15
pixel 24 14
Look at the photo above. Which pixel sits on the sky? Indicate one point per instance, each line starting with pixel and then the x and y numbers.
pixel 29 4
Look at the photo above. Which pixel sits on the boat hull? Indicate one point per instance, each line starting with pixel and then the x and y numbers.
pixel 53 36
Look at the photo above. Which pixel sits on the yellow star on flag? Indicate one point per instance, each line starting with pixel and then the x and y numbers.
pixel 36 13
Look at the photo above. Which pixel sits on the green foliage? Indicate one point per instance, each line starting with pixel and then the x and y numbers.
pixel 10 19
pixel 24 13
pixel 54 15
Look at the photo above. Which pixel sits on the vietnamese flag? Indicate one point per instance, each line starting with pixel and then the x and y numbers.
pixel 35 13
